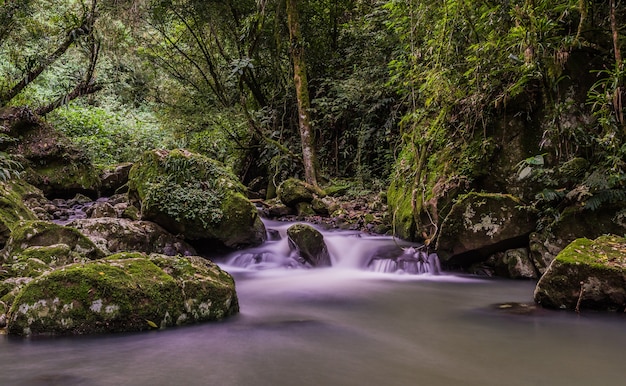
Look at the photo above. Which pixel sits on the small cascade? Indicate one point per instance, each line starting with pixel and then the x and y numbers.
pixel 411 261
pixel 347 249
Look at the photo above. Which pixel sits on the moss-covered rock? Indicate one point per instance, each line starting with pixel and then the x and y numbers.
pixel 13 193
pixel 480 224
pixel 309 244
pixel 587 274
pixel 114 235
pixel 31 234
pixel 124 292
pixel 293 191
pixel 573 223
pixel 195 197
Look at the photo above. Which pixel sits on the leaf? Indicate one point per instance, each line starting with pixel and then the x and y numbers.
pixel 151 324
pixel 524 173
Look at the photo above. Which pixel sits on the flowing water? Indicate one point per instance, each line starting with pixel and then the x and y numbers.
pixel 345 325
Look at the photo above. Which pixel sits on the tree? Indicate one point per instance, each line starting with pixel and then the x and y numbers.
pixel 309 157
pixel 27 66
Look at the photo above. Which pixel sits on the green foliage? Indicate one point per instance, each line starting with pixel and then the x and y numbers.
pixel 110 134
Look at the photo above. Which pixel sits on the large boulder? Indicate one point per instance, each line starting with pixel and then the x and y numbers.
pixel 481 224
pixel 309 244
pixel 195 197
pixel 124 292
pixel 114 235
pixel 572 224
pixel 587 274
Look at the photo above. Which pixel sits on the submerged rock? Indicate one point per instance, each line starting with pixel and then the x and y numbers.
pixel 124 292
pixel 195 197
pixel 587 274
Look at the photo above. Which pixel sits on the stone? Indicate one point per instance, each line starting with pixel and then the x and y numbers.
pixel 587 274
pixel 309 244
pixel 114 178
pixel 122 293
pixel 293 191
pixel 195 197
pixel 480 224
pixel 573 223
pixel 114 235
pixel 31 234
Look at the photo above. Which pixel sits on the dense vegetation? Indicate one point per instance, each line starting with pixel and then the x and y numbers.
pixel 404 92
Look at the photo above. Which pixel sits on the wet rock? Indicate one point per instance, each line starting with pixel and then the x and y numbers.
pixel 309 244
pixel 195 197
pixel 114 235
pixel 102 209
pixel 587 274
pixel 124 292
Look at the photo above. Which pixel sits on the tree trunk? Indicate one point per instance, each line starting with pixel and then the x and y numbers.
pixel 617 96
pixel 309 157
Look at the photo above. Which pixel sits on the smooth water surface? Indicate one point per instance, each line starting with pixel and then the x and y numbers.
pixel 344 326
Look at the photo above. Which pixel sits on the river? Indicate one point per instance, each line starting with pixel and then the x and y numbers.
pixel 344 325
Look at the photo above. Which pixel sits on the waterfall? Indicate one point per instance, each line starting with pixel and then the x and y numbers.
pixel 347 249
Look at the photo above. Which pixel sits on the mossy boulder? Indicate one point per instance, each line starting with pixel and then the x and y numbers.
pixel 114 235
pixel 293 191
pixel 13 193
pixel 587 274
pixel 124 292
pixel 480 224
pixel 572 224
pixel 309 244
pixel 29 235
pixel 195 197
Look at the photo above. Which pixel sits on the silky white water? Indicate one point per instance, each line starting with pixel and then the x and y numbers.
pixel 344 325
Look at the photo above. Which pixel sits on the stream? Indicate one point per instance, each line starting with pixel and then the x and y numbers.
pixel 356 323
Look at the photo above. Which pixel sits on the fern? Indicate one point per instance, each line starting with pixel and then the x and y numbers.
pixel 602 197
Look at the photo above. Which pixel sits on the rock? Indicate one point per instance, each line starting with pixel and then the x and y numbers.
pixel 573 223
pixel 515 264
pixel 309 244
pixel 293 191
pixel 480 224
pixel 122 293
pixel 12 207
pixel 113 178
pixel 195 197
pixel 30 234
pixel 102 209
pixel 595 267
pixel 114 235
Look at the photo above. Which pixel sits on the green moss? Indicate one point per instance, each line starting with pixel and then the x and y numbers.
pixel 606 252
pixel 12 208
